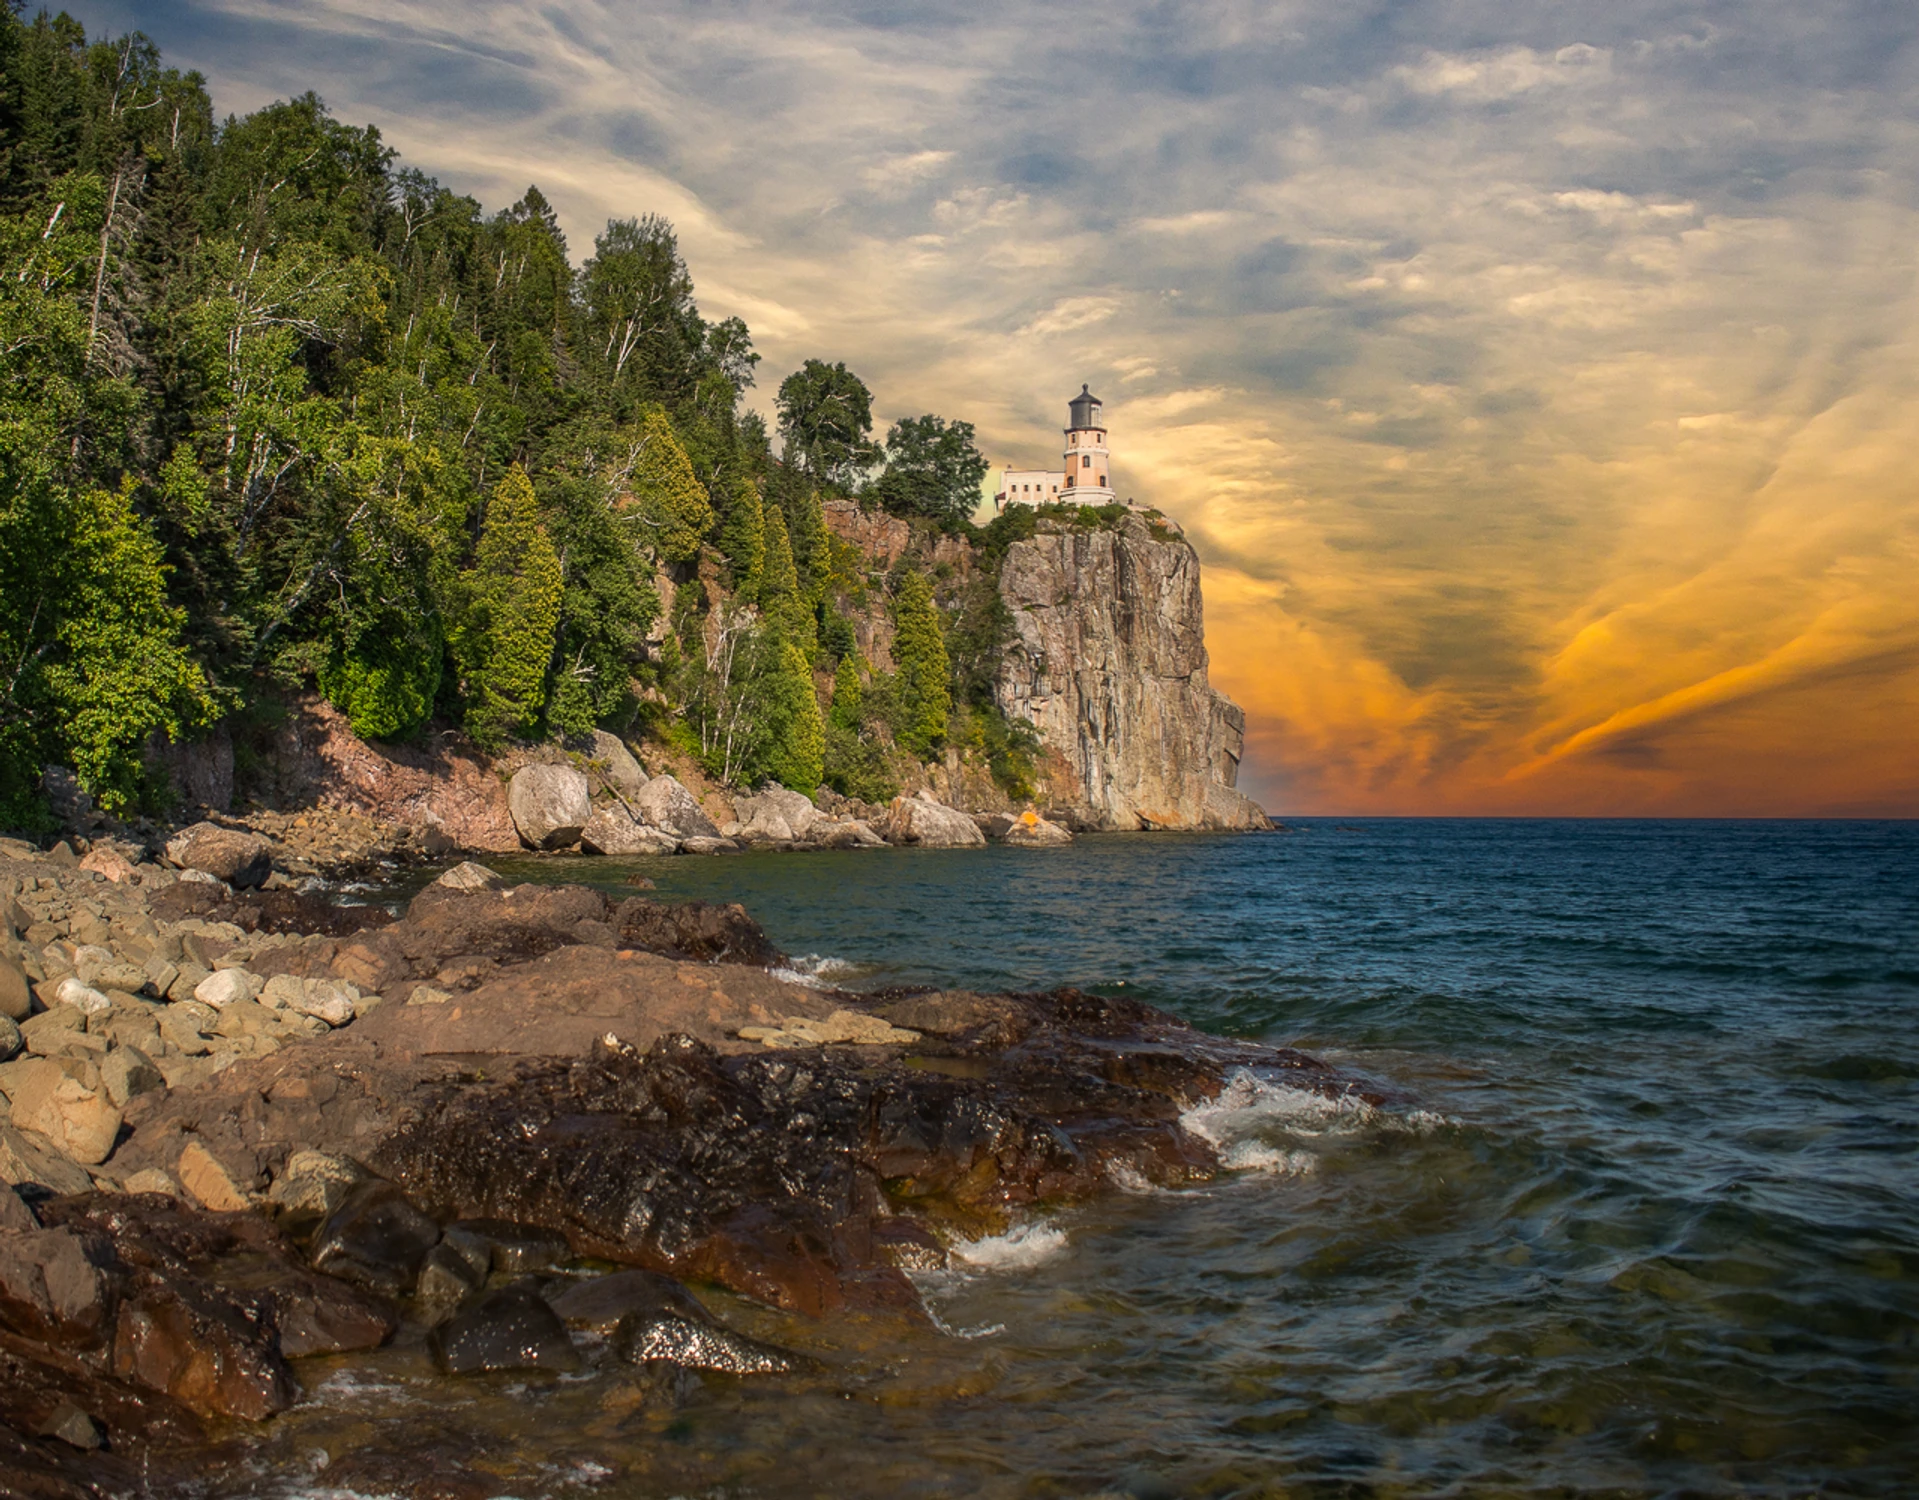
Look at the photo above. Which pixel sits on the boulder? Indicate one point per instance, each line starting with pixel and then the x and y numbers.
pixel 29 1159
pixel 53 1288
pixel 622 770
pixel 242 860
pixel 509 1329
pixel 1030 831
pixel 703 931
pixel 126 1073
pixel 228 987
pixel 852 834
pixel 76 1116
pixel 698 845
pixel 926 824
pixel 765 826
pixel 16 994
pixel 507 1246
pixel 375 1238
pixel 550 805
pixel 447 1279
pixel 668 806
pixel 775 804
pixel 612 831
pixel 104 859
pixel 469 876
pixel 329 1001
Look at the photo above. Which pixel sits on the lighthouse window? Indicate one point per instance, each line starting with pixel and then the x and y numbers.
pixel 1086 461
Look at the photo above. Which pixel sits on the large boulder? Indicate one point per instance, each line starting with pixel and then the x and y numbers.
pixel 667 805
pixel 1030 831
pixel 622 770
pixel 467 876
pixel 16 995
pixel 920 821
pixel 612 831
pixel 550 805
pixel 239 858
pixel 64 1101
pixel 777 806
pixel 852 834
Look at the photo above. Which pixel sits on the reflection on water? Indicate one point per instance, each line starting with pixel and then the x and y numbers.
pixel 1648 1227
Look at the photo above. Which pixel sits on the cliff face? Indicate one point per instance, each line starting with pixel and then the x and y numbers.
pixel 1109 664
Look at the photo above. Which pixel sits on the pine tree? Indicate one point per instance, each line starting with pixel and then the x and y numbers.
pixel 847 697
pixel 797 753
pixel 512 602
pixel 743 538
pixel 920 655
pixel 674 513
pixel 780 599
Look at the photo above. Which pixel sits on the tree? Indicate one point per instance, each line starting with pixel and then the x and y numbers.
pixel 798 739
pixel 826 417
pixel 512 596
pixel 743 538
pixel 847 698
pixel 643 330
pixel 671 511
pixel 919 654
pixel 780 599
pixel 933 469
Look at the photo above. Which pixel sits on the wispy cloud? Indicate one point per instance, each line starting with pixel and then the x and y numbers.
pixel 1538 383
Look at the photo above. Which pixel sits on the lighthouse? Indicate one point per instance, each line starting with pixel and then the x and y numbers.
pixel 1088 473
pixel 1086 479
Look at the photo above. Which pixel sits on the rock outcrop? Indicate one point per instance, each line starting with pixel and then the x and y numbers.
pixel 550 805
pixel 1109 665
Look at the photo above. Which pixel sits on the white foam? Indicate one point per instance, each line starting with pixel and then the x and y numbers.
pixel 1249 1105
pixel 1251 1156
pixel 816 971
pixel 1019 1249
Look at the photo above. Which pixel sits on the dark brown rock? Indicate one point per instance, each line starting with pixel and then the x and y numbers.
pixel 699 930
pixel 375 1238
pixel 241 859
pixel 506 1247
pixel 508 1329
pixel 59 1287
pixel 265 911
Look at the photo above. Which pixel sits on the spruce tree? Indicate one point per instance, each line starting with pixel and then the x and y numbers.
pixel 780 601
pixel 743 538
pixel 674 513
pixel 797 752
pixel 847 697
pixel 512 602
pixel 919 654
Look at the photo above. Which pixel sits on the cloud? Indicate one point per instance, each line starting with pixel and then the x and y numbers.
pixel 1536 382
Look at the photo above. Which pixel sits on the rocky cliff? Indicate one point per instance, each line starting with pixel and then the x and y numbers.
pixel 1109 665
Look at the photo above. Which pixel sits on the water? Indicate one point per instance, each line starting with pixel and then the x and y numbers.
pixel 1649 1227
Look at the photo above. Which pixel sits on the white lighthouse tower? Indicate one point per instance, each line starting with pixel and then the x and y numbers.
pixel 1088 472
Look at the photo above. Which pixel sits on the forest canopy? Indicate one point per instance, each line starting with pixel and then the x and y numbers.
pixel 280 414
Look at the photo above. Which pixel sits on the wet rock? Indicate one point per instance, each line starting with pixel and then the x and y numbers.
pixel 700 844
pixel 215 1354
pixel 58 1287
pixel 698 930
pixel 612 831
pixel 469 876
pixel 550 805
pixel 319 1315
pixel 667 805
pixel 79 1118
pixel 311 1186
pixel 73 1427
pixel 926 824
pixel 668 1337
pixel 508 1329
pixel 506 1247
pixel 265 911
pixel 375 1238
pixel 447 1279
pixel 242 860
pixel 597 1305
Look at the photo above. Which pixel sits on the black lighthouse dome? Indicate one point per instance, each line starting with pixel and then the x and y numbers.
pixel 1085 409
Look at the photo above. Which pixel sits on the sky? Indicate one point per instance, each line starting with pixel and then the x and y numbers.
pixel 1539 383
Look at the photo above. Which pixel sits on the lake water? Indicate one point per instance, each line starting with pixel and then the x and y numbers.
pixel 1649 1225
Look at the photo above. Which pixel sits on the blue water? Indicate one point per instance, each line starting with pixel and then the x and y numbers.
pixel 1648 1226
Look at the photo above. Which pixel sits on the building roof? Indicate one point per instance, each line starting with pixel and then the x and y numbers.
pixel 1084 407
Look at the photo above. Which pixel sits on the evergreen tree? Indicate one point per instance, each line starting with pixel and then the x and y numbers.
pixel 672 511
pixel 513 597
pixel 743 538
pixel 798 741
pixel 847 698
pixel 780 599
pixel 919 653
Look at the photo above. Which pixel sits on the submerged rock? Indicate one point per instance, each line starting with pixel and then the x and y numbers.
pixel 507 1329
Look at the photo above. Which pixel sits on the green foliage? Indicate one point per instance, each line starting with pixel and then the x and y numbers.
pixel 855 762
pixel 847 698
pixel 742 539
pixel 672 514
pixel 798 738
pixel 826 417
pixel 921 679
pixel 512 600
pixel 933 469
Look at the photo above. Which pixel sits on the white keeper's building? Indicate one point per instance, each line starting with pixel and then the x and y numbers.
pixel 1087 477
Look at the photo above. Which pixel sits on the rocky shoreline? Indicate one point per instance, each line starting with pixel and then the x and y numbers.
pixel 242 1127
